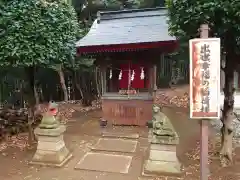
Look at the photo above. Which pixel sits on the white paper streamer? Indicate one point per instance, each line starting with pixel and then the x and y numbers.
pixel 110 74
pixel 120 75
pixel 142 74
pixel 133 75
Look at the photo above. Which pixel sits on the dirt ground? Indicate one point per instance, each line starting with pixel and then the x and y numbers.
pixel 83 132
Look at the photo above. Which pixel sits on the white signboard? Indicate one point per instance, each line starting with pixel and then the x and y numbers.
pixel 204 78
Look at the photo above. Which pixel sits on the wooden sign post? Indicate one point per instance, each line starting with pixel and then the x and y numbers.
pixel 204 87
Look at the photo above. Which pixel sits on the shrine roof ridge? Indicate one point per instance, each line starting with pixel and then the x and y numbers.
pixel 131 13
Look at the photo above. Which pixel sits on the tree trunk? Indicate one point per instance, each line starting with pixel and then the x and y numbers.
pixel 77 84
pixel 33 99
pixel 31 119
pixel 227 113
pixel 96 81
pixel 87 98
pixel 41 95
pixel 36 95
pixel 62 82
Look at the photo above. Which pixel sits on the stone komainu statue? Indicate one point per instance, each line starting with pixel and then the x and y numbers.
pixel 49 120
pixel 163 138
pixel 161 125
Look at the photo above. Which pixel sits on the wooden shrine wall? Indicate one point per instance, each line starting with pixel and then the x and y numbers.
pixel 127 112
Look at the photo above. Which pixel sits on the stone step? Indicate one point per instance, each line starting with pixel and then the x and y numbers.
pixel 120 135
pixel 116 145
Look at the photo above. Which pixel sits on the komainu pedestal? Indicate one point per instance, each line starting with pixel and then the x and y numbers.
pixel 162 157
pixel 51 149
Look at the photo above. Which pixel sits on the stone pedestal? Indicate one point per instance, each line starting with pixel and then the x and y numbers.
pixel 51 149
pixel 162 157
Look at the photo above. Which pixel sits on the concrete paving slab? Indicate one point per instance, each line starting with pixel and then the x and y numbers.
pixel 116 145
pixel 105 162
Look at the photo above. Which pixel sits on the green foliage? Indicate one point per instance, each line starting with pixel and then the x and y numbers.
pixel 37 32
pixel 112 3
pixel 92 6
pixel 135 3
pixel 186 16
pixel 84 62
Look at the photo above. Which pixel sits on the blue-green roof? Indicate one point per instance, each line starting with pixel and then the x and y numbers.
pixel 127 27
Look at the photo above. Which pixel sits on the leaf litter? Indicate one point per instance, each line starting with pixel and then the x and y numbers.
pixel 192 169
pixel 66 110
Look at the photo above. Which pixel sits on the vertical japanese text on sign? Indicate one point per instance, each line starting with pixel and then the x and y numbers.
pixel 204 78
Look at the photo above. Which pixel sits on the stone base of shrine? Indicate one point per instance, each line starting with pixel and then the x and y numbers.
pixel 162 160
pixel 51 149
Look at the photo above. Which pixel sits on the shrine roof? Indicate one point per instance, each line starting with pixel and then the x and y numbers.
pixel 128 27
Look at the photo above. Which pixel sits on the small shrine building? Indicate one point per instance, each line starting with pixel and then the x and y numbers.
pixel 127 45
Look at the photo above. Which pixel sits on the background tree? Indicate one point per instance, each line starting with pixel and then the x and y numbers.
pixel 87 9
pixel 86 79
pixel 36 33
pixel 223 18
